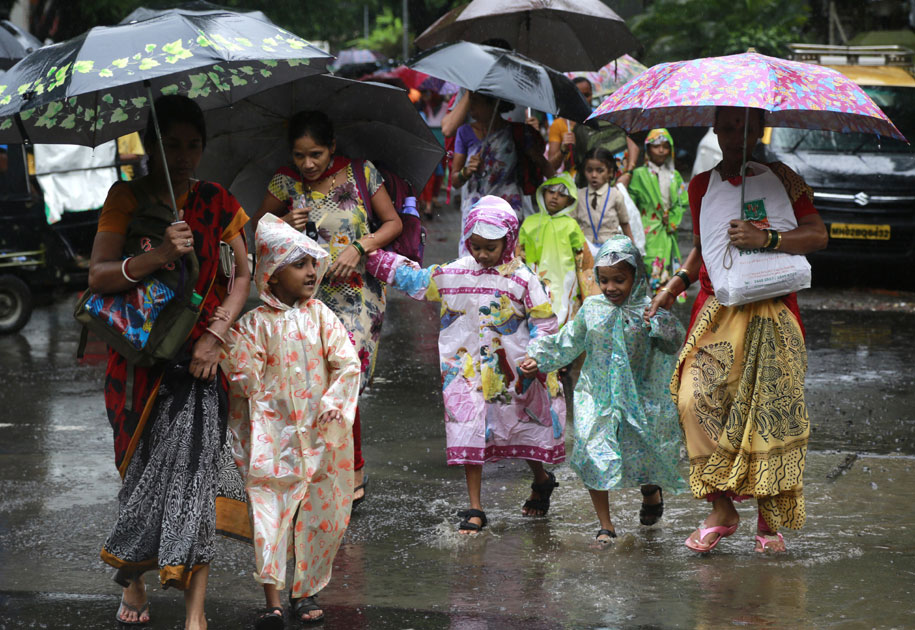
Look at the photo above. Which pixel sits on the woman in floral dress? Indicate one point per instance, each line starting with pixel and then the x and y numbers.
pixel 486 158
pixel 320 195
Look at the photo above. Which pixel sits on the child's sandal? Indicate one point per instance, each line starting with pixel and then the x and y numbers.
pixel 467 526
pixel 545 490
pixel 271 619
pixel 304 605
pixel 651 514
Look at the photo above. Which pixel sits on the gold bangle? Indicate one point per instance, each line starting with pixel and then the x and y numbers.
pixel 778 240
pixel 768 239
pixel 664 288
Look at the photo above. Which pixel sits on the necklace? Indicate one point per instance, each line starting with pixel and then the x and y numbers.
pixel 333 184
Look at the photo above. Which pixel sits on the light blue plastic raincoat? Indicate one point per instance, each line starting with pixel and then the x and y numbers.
pixel 626 428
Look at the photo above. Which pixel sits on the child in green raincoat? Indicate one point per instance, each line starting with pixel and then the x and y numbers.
pixel 553 246
pixel 658 191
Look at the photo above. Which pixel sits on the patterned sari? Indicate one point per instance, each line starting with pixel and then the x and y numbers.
pixel 180 484
pixel 739 387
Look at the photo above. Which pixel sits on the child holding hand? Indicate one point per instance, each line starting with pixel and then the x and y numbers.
pixel 294 382
pixel 492 306
pixel 626 427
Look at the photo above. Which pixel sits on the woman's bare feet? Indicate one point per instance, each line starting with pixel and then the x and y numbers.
pixel 134 605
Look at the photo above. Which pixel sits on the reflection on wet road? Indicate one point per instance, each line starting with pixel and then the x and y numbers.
pixel 404 566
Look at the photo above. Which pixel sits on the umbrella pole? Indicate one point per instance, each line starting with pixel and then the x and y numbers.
pixel 152 107
pixel 492 119
pixel 743 161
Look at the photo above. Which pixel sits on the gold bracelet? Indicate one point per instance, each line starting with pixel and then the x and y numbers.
pixel 778 240
pixel 664 288
pixel 768 239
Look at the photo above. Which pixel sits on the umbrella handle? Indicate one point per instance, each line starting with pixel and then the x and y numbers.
pixel 152 107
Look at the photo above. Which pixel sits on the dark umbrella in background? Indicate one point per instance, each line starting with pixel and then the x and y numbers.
pixel 569 35
pixel 15 44
pixel 247 142
pixel 505 75
pixel 195 7
pixel 101 85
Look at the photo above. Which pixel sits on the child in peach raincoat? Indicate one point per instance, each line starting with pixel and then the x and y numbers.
pixel 294 381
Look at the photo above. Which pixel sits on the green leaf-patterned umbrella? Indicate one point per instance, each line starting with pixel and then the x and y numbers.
pixel 97 86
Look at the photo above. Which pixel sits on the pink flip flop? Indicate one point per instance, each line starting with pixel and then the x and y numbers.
pixel 763 541
pixel 723 531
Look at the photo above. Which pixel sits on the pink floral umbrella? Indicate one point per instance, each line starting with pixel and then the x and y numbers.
pixel 613 75
pixel 793 94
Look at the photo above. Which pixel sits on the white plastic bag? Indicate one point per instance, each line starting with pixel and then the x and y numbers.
pixel 743 276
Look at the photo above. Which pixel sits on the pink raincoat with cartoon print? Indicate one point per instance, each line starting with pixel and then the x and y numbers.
pixel 286 367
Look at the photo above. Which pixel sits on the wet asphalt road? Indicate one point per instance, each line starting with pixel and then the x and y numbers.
pixel 403 566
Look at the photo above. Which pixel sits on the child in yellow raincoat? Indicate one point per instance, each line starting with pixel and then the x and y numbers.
pixel 294 381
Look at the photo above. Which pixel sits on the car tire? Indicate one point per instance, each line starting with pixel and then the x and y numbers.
pixel 15 304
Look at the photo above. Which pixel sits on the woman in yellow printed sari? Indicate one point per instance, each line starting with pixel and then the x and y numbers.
pixel 739 383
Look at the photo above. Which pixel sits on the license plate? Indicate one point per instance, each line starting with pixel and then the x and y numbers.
pixel 861 231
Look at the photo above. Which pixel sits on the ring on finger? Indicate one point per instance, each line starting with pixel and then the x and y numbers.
pixel 188 243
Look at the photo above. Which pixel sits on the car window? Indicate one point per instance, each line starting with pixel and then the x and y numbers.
pixel 898 103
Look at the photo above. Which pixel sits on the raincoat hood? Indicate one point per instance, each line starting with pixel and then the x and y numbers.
pixel 279 244
pixel 653 136
pixel 620 249
pixel 566 180
pixel 492 217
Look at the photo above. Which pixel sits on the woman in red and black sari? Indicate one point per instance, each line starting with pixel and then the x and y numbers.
pixel 169 421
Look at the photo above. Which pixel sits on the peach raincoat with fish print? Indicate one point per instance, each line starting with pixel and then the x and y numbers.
pixel 288 365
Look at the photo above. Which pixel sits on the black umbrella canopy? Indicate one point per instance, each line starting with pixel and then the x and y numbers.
pixel 372 121
pixel 15 44
pixel 506 75
pixel 197 7
pixel 569 35
pixel 96 86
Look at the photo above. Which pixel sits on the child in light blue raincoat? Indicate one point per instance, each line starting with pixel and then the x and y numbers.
pixel 626 426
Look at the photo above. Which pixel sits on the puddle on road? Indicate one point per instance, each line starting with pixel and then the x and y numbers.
pixel 403 565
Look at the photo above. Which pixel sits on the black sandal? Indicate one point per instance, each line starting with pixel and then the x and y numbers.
pixel 271 619
pixel 651 514
pixel 605 532
pixel 364 486
pixel 545 490
pixel 304 605
pixel 144 609
pixel 467 526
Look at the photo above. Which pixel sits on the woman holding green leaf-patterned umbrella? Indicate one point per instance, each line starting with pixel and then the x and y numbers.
pixel 169 420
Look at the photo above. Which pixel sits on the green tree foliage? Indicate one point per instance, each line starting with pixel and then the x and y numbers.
pixel 386 37
pixel 671 30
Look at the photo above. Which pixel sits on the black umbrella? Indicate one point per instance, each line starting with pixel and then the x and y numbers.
pixel 372 121
pixel 96 86
pixel 101 85
pixel 506 75
pixel 15 44
pixel 196 7
pixel 569 35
